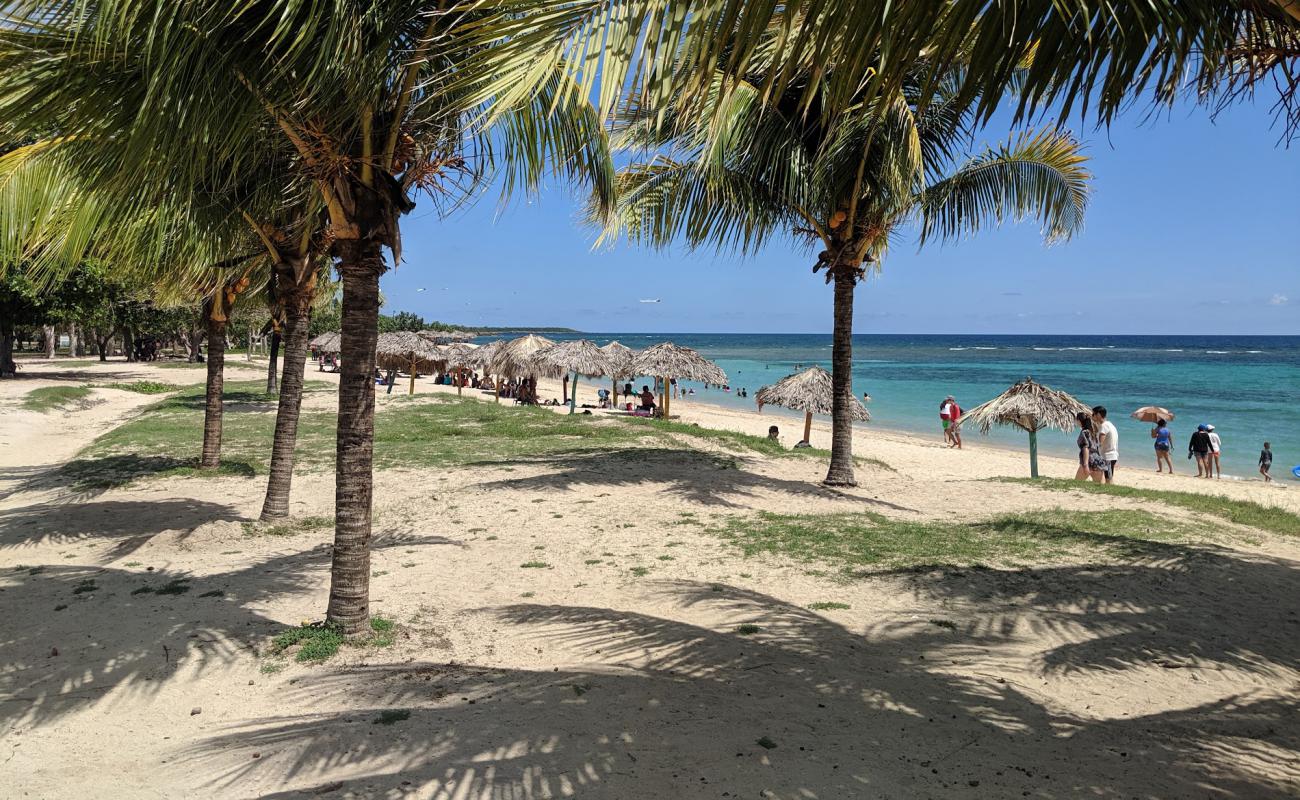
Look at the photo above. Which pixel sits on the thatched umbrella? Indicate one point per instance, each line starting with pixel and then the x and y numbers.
pixel 667 360
pixel 459 356
pixel 579 356
pixel 448 337
pixel 515 358
pixel 810 392
pixel 328 342
pixel 407 350
pixel 620 358
pixel 1031 407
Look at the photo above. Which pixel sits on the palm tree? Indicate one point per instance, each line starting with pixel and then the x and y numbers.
pixel 735 175
pixel 362 94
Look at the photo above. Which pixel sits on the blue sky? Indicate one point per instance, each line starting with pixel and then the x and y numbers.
pixel 1192 229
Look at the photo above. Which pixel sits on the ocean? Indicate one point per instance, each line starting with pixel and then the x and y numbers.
pixel 1246 386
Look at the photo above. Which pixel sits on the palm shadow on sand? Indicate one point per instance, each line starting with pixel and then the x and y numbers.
pixel 694 476
pixel 95 634
pixel 657 701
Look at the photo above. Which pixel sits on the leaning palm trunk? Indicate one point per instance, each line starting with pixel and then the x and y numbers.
pixel 212 406
pixel 841 468
pixel 279 484
pixel 360 264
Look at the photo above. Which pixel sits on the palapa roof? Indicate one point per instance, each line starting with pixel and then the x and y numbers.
pixel 667 360
pixel 620 358
pixel 514 359
pixel 483 354
pixel 578 355
pixel 448 337
pixel 402 348
pixel 459 354
pixel 1029 406
pixel 809 390
pixel 329 342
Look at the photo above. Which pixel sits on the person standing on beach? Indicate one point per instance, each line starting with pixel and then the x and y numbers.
pixel 1266 462
pixel 1198 447
pixel 954 417
pixel 945 420
pixel 1108 435
pixel 1212 463
pixel 1164 444
pixel 1091 463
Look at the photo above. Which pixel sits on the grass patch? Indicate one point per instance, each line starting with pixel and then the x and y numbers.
pixel 290 528
pixel 534 565
pixel 871 540
pixel 592 561
pixel 318 642
pixel 48 398
pixel 144 387
pixel 828 605
pixel 85 586
pixel 272 667
pixel 640 572
pixel 748 629
pixel 1241 512
pixel 214 593
pixel 131 564
pixel 392 716
pixel 765 743
pixel 60 606
pixel 946 624
pixel 666 558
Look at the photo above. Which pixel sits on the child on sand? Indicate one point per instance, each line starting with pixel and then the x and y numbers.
pixel 1265 462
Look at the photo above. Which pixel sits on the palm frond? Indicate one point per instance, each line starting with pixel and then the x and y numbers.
pixel 1035 174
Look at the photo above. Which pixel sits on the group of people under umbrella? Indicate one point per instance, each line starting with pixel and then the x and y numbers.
pixel 1027 405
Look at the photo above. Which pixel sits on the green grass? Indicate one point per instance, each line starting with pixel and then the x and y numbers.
pixel 85 586
pixel 290 528
pixel 392 716
pixel 48 398
pixel 828 605
pixel 1240 512
pixel 319 642
pixel 534 565
pixel 748 629
pixel 176 586
pixel 850 541
pixel 144 387
pixel 429 431
pixel 640 572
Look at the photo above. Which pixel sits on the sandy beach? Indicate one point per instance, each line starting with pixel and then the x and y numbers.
pixel 576 626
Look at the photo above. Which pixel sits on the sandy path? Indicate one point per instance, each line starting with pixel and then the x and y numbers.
pixel 1173 675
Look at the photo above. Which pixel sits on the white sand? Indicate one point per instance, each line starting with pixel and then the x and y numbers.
pixel 1171 675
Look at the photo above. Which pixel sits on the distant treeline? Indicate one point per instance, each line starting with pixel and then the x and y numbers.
pixel 326 318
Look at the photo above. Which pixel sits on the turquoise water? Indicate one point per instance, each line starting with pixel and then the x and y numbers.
pixel 1246 386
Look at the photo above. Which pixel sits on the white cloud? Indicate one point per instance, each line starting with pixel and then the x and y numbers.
pixel 1278 300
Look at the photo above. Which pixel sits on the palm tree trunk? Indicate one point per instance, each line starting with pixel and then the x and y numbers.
pixel 279 484
pixel 212 406
pixel 128 342
pixel 74 340
pixel 841 468
pixel 273 364
pixel 47 331
pixel 360 264
pixel 7 365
